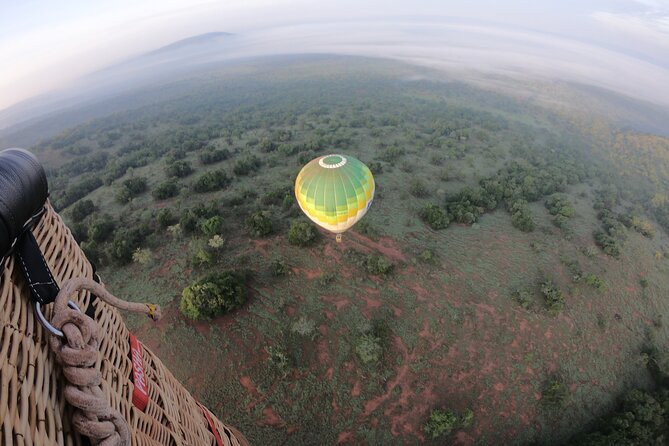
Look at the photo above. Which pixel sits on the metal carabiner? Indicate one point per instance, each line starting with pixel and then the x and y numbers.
pixel 50 328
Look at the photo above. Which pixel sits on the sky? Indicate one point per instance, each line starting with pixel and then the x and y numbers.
pixel 622 45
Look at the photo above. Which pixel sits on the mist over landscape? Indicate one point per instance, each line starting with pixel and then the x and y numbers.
pixel 504 280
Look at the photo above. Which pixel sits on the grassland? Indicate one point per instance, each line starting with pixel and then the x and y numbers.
pixel 332 353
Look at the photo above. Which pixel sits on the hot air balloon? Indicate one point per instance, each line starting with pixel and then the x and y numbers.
pixel 335 191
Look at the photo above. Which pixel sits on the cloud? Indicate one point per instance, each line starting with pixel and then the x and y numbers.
pixel 649 21
pixel 629 55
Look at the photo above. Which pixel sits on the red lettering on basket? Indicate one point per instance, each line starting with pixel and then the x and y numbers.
pixel 140 394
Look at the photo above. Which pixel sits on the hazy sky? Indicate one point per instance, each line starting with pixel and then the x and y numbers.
pixel 620 44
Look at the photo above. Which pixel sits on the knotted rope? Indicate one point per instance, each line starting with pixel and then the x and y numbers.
pixel 78 353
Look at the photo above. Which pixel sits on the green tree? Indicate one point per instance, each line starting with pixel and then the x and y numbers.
pixel 81 210
pixel 213 295
pixel 259 224
pixel 434 216
pixel 179 169
pixel 167 189
pixel 211 226
pixel 212 181
pixel 301 233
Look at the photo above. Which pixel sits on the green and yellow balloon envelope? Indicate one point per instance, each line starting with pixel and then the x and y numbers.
pixel 335 191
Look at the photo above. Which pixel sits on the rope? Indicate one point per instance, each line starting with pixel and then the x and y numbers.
pixel 78 353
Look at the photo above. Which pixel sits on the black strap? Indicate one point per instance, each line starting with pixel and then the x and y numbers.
pixel 90 309
pixel 42 285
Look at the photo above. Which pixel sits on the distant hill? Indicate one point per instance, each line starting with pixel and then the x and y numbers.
pixel 152 67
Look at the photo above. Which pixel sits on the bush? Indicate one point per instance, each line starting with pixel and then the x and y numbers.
pixel 428 256
pixel 259 224
pixel 443 422
pixel 214 156
pixel 301 233
pixel 434 216
pixel 246 165
pixel 214 295
pixel 165 218
pixel 81 210
pixel 523 298
pixel 167 189
pixel 212 181
pixel 179 169
pixel 378 265
pixel 521 216
pixel 188 221
pixel 594 281
pixel 608 244
pixel 216 242
pixel 369 348
pixel 418 189
pixel 100 230
pixel 643 227
pixel 142 256
pixel 364 227
pixel 211 226
pixel 553 297
pixel 559 205
pixel 278 268
pixel 202 257
pixel 131 188
pixel 554 392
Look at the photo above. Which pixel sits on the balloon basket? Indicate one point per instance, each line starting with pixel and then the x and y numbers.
pixel 338 238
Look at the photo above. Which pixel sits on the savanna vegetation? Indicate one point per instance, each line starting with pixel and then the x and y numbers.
pixel 502 288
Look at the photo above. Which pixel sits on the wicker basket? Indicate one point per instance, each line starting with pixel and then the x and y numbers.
pixel 32 406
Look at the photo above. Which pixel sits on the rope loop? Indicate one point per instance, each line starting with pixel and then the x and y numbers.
pixel 76 344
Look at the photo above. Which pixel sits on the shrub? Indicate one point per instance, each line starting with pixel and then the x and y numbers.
pixel 214 295
pixel 92 251
pixel 441 422
pixel 418 189
pixel 429 256
pixel 179 169
pixel 554 392
pixel 594 281
pixel 643 282
pixel 216 242
pixel 259 224
pixel 202 257
pixel 523 298
pixel 167 189
pixel 304 327
pixel 391 154
pixel 214 156
pixel 141 256
pixel 211 181
pixel 378 265
pixel 131 188
pixel 301 233
pixel 175 230
pixel 434 216
pixel 521 216
pixel 278 268
pixel 278 358
pixel 643 227
pixel 608 244
pixel 165 218
pixel 553 297
pixel 211 226
pixel 100 230
pixel 188 221
pixel 369 349
pixel 559 205
pixel 246 165
pixel 81 210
